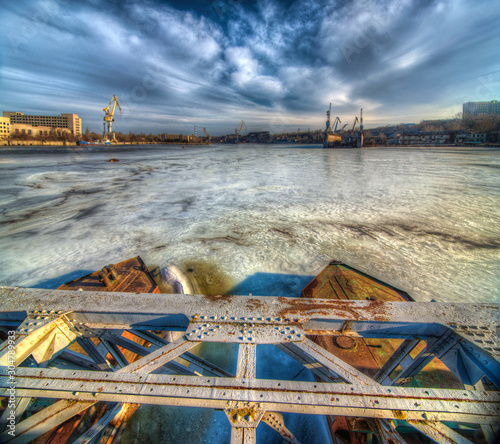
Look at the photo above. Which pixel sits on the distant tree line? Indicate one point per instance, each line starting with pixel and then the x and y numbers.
pixel 121 137
pixel 87 136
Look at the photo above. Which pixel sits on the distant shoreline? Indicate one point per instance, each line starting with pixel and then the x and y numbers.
pixel 59 143
pixel 25 143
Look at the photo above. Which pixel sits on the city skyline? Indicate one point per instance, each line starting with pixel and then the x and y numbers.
pixel 275 64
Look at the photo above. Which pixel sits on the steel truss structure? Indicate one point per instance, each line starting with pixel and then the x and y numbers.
pixel 463 336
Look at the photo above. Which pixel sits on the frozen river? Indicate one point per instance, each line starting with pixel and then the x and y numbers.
pixel 425 219
pixel 259 219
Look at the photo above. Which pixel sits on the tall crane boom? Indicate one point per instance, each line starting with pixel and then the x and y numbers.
pixel 242 125
pixel 238 131
pixel 356 120
pixel 335 124
pixel 108 115
pixel 206 135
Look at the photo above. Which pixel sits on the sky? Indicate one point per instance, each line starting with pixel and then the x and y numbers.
pixel 275 64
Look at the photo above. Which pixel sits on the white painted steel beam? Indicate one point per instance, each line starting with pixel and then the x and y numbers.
pixel 157 342
pixel 345 371
pixel 439 432
pixel 62 316
pixel 123 309
pixel 45 420
pixel 373 401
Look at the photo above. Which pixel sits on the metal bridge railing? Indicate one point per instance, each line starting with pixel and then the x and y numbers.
pixel 44 323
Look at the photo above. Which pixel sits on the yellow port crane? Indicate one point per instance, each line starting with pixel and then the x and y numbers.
pixel 206 135
pixel 108 115
pixel 238 131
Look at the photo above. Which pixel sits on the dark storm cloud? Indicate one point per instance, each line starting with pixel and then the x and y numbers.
pixel 173 64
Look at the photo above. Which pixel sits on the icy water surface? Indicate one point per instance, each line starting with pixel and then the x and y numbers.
pixel 259 219
pixel 423 219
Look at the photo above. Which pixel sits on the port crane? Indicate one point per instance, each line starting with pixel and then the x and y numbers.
pixel 356 120
pixel 206 135
pixel 328 119
pixel 238 131
pixel 109 114
pixel 335 124
pixel 329 123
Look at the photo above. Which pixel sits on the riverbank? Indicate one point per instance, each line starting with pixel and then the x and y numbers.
pixel 23 143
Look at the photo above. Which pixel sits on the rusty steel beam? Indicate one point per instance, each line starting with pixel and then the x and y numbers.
pixel 463 334
pixel 93 308
pixel 276 422
pixel 100 425
pixel 45 420
pixel 373 401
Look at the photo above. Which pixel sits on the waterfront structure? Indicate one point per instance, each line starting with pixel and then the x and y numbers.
pixel 258 137
pixel 109 118
pixel 17 129
pixel 4 127
pixel 175 138
pixel 36 124
pixel 474 109
pixel 331 139
pixel 40 324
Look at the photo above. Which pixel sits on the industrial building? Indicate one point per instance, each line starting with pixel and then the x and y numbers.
pixel 175 138
pixel 258 137
pixel 21 123
pixel 474 109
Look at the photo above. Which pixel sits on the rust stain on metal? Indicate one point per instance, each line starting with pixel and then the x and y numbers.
pixel 255 304
pixel 219 298
pixel 130 276
pixel 302 306
pixel 249 414
pixel 399 414
pixel 307 292
pixel 345 342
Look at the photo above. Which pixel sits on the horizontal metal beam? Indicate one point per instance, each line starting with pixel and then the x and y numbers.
pixel 177 309
pixel 372 401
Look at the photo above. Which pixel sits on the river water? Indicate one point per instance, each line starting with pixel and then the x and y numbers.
pixel 259 219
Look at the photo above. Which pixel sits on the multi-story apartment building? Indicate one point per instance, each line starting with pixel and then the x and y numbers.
pixel 4 127
pixel 474 109
pixel 38 125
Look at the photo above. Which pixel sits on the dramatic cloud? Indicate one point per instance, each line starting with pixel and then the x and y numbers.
pixel 275 64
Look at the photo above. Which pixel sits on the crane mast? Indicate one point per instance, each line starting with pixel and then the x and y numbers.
pixel 328 119
pixel 109 115
pixel 361 136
